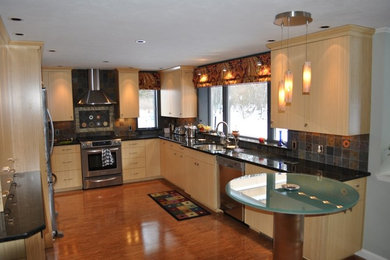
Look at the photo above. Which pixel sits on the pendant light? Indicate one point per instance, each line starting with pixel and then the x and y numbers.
pixel 306 71
pixel 281 88
pixel 288 76
pixel 293 18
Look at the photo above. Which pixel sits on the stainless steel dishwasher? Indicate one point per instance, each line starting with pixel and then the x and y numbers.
pixel 228 170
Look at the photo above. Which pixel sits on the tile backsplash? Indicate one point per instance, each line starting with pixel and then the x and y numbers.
pixel 344 151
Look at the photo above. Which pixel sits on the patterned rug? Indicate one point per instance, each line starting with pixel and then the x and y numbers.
pixel 177 205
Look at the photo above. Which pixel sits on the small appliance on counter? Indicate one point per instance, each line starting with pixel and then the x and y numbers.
pixel 190 131
pixel 179 130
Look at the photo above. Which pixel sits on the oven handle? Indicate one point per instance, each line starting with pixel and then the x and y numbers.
pixel 104 180
pixel 99 151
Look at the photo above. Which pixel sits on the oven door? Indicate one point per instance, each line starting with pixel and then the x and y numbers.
pixel 92 162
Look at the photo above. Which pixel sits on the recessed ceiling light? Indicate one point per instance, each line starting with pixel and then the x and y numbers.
pixel 140 41
pixel 19 34
pixel 105 61
pixel 52 50
pixel 324 27
pixel 270 40
pixel 16 19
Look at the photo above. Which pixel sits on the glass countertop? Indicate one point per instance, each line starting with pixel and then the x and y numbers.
pixel 292 193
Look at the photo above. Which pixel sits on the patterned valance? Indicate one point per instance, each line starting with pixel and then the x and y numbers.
pixel 256 68
pixel 149 80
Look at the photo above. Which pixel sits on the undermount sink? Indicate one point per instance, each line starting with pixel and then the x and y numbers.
pixel 209 147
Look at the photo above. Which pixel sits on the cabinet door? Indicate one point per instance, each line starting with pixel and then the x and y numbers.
pixel 152 151
pixel 128 93
pixel 259 220
pixel 59 94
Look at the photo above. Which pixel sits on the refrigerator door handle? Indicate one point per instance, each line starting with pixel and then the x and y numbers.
pixel 52 131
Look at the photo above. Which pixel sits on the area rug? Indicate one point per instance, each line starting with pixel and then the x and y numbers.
pixel 177 205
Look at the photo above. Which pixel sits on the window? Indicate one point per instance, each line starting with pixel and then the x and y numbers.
pixel 147 109
pixel 248 109
pixel 245 108
pixel 216 106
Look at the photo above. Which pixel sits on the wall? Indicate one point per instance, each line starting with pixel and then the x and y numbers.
pixel 377 216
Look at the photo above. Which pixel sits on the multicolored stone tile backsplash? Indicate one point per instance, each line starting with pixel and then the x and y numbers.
pixel 344 151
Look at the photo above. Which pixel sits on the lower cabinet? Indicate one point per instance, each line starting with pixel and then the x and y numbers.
pixel 66 165
pixel 259 220
pixel 133 160
pixel 31 248
pixel 201 177
pixel 152 157
pixel 173 164
pixel 336 236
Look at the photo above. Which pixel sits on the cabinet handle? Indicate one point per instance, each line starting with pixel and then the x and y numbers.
pixel 67 149
pixel 305 125
pixel 66 162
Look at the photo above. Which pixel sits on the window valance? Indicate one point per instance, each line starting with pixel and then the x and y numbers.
pixel 149 80
pixel 256 68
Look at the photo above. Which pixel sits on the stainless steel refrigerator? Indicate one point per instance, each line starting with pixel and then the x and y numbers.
pixel 48 130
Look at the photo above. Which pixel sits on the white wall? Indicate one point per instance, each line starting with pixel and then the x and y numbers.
pixel 376 244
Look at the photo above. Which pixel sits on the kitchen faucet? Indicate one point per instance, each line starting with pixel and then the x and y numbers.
pixel 223 136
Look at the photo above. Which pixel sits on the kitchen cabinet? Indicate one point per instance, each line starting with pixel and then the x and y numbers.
pixel 66 165
pixel 133 160
pixel 58 83
pixel 128 93
pixel 257 219
pixel 32 248
pixel 336 236
pixel 173 163
pixel 339 99
pixel 201 178
pixel 152 147
pixel 178 94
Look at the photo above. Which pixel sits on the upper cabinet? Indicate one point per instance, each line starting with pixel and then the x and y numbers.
pixel 128 93
pixel 178 94
pixel 339 99
pixel 58 83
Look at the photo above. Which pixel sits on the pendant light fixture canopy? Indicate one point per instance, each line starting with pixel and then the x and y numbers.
pixel 293 18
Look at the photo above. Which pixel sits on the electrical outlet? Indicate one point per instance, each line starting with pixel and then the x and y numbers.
pixel 57 132
pixel 320 148
pixel 294 145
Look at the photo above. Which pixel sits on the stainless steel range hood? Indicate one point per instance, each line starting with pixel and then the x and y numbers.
pixel 95 95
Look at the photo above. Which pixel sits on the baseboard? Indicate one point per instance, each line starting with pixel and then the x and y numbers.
pixel 369 255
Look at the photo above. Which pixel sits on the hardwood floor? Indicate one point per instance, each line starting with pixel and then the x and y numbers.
pixel 122 222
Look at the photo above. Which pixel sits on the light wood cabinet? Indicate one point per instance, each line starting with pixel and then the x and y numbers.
pixel 257 219
pixel 66 165
pixel 336 236
pixel 178 94
pixel 174 163
pixel 133 160
pixel 128 93
pixel 152 147
pixel 58 83
pixel 31 248
pixel 201 178
pixel 339 99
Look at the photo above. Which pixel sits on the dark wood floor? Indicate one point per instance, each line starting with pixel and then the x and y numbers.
pixel 122 222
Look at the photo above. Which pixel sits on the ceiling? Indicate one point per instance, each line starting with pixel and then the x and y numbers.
pixel 86 33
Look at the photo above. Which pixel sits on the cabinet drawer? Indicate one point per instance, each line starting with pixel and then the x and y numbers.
pixel 130 163
pixel 65 162
pixel 200 156
pixel 136 173
pixel 132 144
pixel 67 180
pixel 66 149
pixel 134 152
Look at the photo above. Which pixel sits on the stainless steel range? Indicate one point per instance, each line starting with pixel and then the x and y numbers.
pixel 101 162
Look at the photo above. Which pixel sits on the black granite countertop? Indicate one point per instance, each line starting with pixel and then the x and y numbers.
pixel 277 162
pixel 23 214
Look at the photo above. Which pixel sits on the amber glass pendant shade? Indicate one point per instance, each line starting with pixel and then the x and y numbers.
pixel 288 85
pixel 281 97
pixel 306 76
